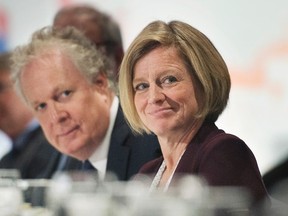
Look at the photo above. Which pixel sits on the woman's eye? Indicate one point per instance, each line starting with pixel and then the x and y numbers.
pixel 141 86
pixel 169 79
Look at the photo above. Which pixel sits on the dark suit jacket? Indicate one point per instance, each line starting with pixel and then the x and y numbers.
pixel 222 159
pixel 276 175
pixel 127 152
pixel 32 158
pixel 276 181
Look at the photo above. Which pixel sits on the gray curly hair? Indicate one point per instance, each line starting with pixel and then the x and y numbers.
pixel 69 41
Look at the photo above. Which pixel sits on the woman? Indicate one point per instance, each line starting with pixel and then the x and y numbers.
pixel 174 83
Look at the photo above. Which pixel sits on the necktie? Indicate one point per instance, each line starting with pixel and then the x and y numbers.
pixel 86 165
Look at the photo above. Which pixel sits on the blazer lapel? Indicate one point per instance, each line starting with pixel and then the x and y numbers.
pixel 118 155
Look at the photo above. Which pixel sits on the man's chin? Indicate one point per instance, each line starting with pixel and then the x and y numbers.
pixel 76 153
pixel 69 149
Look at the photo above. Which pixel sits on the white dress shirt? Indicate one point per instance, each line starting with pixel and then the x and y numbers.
pixel 99 157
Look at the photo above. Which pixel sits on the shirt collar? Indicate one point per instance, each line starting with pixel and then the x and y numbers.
pixel 99 157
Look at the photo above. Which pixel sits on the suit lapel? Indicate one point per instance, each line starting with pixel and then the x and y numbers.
pixel 118 152
pixel 51 166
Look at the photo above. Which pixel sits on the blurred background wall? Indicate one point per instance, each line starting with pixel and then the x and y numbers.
pixel 252 37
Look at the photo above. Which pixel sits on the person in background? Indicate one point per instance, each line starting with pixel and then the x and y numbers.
pixel 175 84
pixel 98 26
pixel 69 86
pixel 30 151
pixel 276 181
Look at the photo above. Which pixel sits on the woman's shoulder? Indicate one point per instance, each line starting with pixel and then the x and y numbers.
pixel 210 135
pixel 212 139
pixel 226 140
pixel 151 166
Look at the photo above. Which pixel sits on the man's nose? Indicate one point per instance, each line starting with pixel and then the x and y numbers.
pixel 57 112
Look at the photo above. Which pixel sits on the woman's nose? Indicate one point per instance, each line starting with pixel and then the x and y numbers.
pixel 155 94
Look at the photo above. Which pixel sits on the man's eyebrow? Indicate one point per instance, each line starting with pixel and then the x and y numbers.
pixel 54 92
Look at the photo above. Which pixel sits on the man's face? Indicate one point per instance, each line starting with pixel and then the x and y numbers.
pixel 13 112
pixel 73 113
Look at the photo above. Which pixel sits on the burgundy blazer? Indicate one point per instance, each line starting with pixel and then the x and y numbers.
pixel 221 159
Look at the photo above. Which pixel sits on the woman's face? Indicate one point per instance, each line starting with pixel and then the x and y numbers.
pixel 164 92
